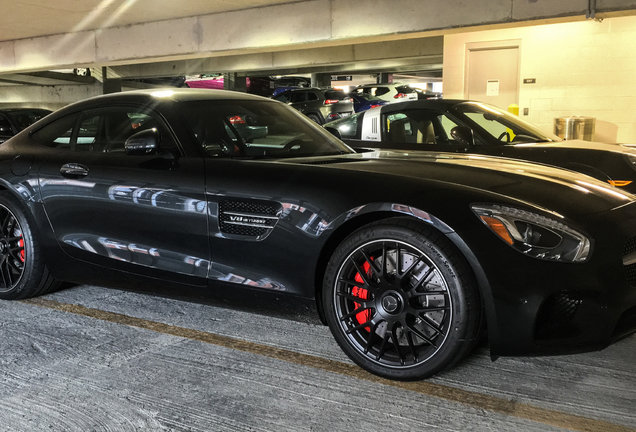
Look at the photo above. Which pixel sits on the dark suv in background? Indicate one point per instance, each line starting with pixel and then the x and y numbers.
pixel 320 105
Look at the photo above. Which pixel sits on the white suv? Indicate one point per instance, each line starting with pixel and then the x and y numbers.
pixel 387 92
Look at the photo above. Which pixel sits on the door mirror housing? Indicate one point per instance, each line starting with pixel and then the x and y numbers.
pixel 146 142
pixel 463 135
pixel 334 131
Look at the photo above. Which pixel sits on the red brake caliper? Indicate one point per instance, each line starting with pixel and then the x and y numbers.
pixel 365 315
pixel 21 244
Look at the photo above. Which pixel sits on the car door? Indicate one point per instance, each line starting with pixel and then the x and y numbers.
pixel 144 214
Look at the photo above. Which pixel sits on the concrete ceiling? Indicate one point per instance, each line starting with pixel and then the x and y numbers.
pixel 31 18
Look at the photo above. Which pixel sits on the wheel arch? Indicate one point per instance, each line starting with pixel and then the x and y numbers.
pixel 388 211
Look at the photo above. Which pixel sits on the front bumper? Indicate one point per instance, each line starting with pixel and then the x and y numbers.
pixel 537 307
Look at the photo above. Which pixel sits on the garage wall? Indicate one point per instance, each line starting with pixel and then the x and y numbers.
pixel 582 68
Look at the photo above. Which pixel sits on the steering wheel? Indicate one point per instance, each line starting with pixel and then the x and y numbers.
pixel 504 134
pixel 293 143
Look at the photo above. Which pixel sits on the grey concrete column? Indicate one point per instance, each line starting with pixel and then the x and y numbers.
pixel 321 80
pixel 233 82
pixel 385 78
pixel 110 85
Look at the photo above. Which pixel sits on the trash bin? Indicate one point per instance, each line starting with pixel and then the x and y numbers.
pixel 575 127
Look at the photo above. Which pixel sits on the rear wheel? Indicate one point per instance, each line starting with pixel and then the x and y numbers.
pixel 314 117
pixel 401 301
pixel 22 272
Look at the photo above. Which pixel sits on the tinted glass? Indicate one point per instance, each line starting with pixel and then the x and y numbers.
pixel 501 125
pixel 256 129
pixel 24 118
pixel 283 97
pixel 5 125
pixel 336 94
pixel 298 97
pixel 102 130
pixel 418 127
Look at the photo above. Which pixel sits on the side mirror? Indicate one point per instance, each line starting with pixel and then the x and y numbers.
pixel 146 142
pixel 463 135
pixel 6 130
pixel 334 131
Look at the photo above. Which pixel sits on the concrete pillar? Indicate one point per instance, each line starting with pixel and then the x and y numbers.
pixel 110 85
pixel 385 78
pixel 320 80
pixel 233 82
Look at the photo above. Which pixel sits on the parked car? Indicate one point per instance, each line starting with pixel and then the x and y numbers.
pixel 409 257
pixel 363 103
pixel 387 92
pixel 13 120
pixel 424 94
pixel 320 105
pixel 477 128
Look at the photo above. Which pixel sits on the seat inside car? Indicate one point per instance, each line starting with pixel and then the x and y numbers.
pixel 425 132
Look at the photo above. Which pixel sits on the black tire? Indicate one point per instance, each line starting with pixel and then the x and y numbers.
pixel 22 271
pixel 405 319
pixel 314 118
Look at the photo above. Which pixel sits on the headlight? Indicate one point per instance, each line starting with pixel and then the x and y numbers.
pixel 535 235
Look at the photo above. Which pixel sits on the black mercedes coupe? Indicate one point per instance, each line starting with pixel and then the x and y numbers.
pixel 474 127
pixel 410 258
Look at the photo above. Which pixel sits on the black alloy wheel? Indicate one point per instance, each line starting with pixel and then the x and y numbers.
pixel 22 271
pixel 12 252
pixel 401 301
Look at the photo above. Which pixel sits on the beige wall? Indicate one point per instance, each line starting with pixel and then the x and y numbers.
pixel 582 68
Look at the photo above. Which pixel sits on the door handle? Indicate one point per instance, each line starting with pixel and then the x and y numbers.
pixel 74 170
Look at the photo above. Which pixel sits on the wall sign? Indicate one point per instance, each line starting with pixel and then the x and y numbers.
pixel 492 87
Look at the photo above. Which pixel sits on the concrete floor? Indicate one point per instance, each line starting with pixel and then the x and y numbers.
pixel 94 359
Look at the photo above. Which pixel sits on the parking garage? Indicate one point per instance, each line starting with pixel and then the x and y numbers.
pixel 93 358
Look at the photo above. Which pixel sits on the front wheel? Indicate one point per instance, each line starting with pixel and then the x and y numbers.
pixel 22 272
pixel 401 300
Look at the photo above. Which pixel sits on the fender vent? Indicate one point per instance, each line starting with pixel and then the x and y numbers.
pixel 253 219
pixel 628 264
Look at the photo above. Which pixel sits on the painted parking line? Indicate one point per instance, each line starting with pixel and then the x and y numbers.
pixel 468 398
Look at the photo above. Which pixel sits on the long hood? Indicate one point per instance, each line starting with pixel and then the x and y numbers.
pixel 536 184
pixel 587 145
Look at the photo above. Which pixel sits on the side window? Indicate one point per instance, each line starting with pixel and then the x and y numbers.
pixel 381 90
pixel 398 128
pixel 57 134
pixel 102 130
pixel 418 127
pixel 283 97
pixel 312 96
pixel 298 97
pixel 5 126
pixel 87 134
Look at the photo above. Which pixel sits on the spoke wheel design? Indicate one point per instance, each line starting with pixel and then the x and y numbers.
pixel 12 253
pixel 401 300
pixel 392 303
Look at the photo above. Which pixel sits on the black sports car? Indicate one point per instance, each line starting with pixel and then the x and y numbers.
pixel 409 258
pixel 474 127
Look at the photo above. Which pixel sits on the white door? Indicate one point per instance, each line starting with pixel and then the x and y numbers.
pixel 493 76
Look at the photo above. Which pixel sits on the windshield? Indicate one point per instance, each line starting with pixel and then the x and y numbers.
pixel 257 129
pixel 499 125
